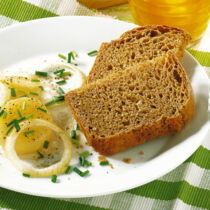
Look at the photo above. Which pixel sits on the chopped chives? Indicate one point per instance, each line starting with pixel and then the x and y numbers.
pixel 2 112
pixel 24 105
pixel 13 93
pixel 67 170
pixel 25 95
pixel 87 163
pixel 77 127
pixel 41 73
pixel 61 90
pixel 28 132
pixel 68 73
pixel 19 113
pixel 73 134
pixel 62 56
pixel 16 124
pixel 10 123
pixel 74 54
pixel 92 53
pixel 82 160
pixel 61 82
pixel 21 119
pixel 55 99
pixel 41 88
pixel 34 93
pixel 59 71
pixel 104 163
pixel 28 116
pixel 54 178
pixel 74 141
pixel 82 174
pixel 5 115
pixel 69 57
pixel 59 98
pixel 35 80
pixel 43 110
pixel 50 103
pixel 40 154
pixel 84 154
pixel 46 144
pixel 9 130
pixel 26 175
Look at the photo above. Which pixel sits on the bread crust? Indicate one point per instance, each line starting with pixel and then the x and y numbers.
pixel 113 144
pixel 177 44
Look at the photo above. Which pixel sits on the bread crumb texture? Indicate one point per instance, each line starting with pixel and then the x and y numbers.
pixel 127 108
pixel 138 45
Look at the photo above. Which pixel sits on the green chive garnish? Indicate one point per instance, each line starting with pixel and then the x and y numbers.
pixel 13 93
pixel 16 124
pixel 54 178
pixel 41 73
pixel 28 116
pixel 40 154
pixel 73 134
pixel 25 95
pixel 2 112
pixel 46 144
pixel 69 57
pixel 9 130
pixel 43 110
pixel 28 132
pixel 26 175
pixel 62 56
pixel 92 53
pixel 10 123
pixel 77 127
pixel 74 54
pixel 5 115
pixel 61 82
pixel 24 105
pixel 67 170
pixel 55 100
pixel 59 98
pixel 68 73
pixel 59 71
pixel 61 90
pixel 19 113
pixel 35 80
pixel 104 163
pixel 34 93
pixel 84 154
pixel 82 174
pixel 41 88
pixel 74 141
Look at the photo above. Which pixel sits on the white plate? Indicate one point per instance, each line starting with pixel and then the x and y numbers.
pixel 40 39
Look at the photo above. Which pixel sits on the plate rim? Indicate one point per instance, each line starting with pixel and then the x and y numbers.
pixel 205 127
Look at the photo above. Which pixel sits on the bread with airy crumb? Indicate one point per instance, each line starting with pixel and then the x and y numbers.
pixel 138 45
pixel 127 108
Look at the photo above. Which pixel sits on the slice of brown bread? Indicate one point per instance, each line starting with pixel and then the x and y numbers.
pixel 138 45
pixel 129 107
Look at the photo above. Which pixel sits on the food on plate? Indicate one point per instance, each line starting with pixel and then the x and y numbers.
pixel 20 110
pixel 27 168
pixel 35 123
pixel 127 108
pixel 138 45
pixel 21 87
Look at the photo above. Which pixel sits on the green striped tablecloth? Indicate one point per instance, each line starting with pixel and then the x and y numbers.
pixel 186 187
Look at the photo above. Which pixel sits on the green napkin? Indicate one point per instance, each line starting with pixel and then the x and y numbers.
pixel 186 187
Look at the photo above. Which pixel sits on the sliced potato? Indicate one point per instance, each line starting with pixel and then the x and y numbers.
pixel 25 144
pixel 25 167
pixel 22 86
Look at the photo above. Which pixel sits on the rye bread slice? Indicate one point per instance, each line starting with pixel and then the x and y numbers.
pixel 138 45
pixel 129 107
